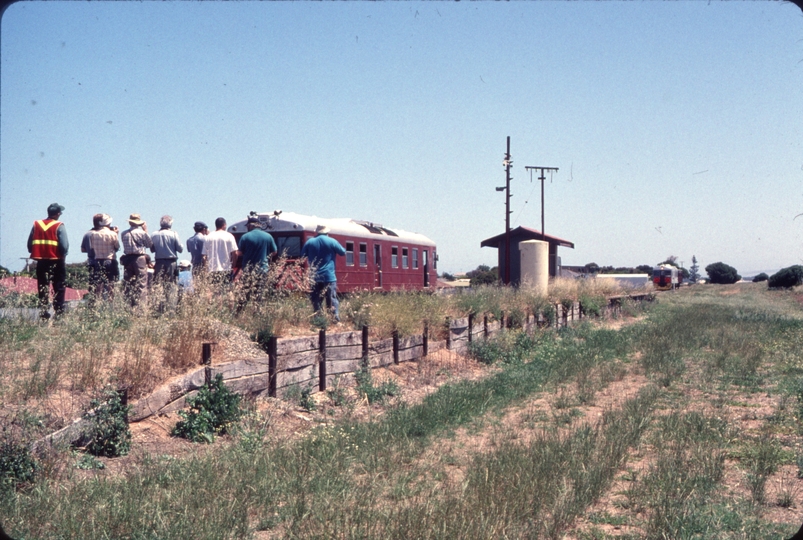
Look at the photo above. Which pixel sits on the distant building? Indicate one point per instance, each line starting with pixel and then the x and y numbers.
pixel 28 285
pixel 521 234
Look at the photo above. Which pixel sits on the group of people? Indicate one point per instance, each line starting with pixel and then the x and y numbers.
pixel 216 254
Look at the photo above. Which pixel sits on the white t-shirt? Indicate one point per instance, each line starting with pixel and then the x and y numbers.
pixel 218 247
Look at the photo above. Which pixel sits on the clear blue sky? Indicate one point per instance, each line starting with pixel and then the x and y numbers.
pixel 677 126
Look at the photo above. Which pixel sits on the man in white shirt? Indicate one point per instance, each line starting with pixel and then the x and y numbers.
pixel 220 250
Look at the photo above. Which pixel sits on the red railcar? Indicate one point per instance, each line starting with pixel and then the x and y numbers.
pixel 377 257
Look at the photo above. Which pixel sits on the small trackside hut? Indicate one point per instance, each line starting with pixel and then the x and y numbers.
pixel 377 257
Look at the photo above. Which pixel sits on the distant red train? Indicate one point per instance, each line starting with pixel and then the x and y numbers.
pixel 377 257
pixel 666 277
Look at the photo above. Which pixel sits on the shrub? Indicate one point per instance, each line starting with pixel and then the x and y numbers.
pixel 109 434
pixel 722 273
pixel 761 277
pixel 17 466
pixel 211 412
pixel 787 277
pixel 592 305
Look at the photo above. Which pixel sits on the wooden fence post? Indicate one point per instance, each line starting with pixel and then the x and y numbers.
pixel 426 338
pixel 206 360
pixel 449 333
pixel 470 326
pixel 365 345
pixel 322 360
pixel 485 325
pixel 272 362
pixel 395 346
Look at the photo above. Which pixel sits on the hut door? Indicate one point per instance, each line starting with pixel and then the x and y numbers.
pixel 425 260
pixel 377 266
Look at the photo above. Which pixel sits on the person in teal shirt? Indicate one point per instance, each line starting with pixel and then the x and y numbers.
pixel 321 252
pixel 255 247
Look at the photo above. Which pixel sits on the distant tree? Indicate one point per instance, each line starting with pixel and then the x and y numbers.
pixel 787 277
pixel 480 269
pixel 448 277
pixel 4 272
pixel 694 274
pixel 722 273
pixel 77 276
pixel 591 268
pixel 483 275
pixel 761 277
pixel 644 269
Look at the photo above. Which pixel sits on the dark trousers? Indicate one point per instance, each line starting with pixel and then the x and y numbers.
pixel 50 271
pixel 165 270
pixel 103 274
pixel 325 291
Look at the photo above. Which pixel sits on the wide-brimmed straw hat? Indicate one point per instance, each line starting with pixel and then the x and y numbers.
pixel 322 229
pixel 135 219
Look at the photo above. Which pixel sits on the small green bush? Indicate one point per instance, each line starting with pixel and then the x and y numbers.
pixel 17 465
pixel 108 433
pixel 787 278
pixel 211 412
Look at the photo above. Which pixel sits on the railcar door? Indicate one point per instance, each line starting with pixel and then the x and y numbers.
pixel 377 266
pixel 425 261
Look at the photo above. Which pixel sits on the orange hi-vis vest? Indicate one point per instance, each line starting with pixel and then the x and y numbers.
pixel 45 239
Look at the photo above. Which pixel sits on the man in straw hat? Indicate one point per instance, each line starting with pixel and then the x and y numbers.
pixel 48 246
pixel 321 252
pixel 136 244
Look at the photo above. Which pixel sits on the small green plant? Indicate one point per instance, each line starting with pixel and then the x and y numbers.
pixel 89 462
pixel 337 393
pixel 212 411
pixel 374 394
pixel 306 402
pixel 108 433
pixel 17 465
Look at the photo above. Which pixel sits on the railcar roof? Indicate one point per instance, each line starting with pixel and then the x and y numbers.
pixel 289 222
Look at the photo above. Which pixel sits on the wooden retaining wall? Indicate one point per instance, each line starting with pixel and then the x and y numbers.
pixel 311 361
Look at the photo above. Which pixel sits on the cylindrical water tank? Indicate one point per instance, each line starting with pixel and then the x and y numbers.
pixel 535 265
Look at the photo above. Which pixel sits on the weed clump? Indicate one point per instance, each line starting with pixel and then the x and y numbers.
pixel 374 393
pixel 17 465
pixel 109 434
pixel 212 411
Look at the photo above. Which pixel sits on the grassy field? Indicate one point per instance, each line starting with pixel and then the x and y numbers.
pixel 681 422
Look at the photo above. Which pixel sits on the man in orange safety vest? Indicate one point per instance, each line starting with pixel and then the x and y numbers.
pixel 48 246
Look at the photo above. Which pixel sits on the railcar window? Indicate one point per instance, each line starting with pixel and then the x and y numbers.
pixel 404 257
pixel 415 258
pixel 288 246
pixel 363 254
pixel 349 253
pixel 394 257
